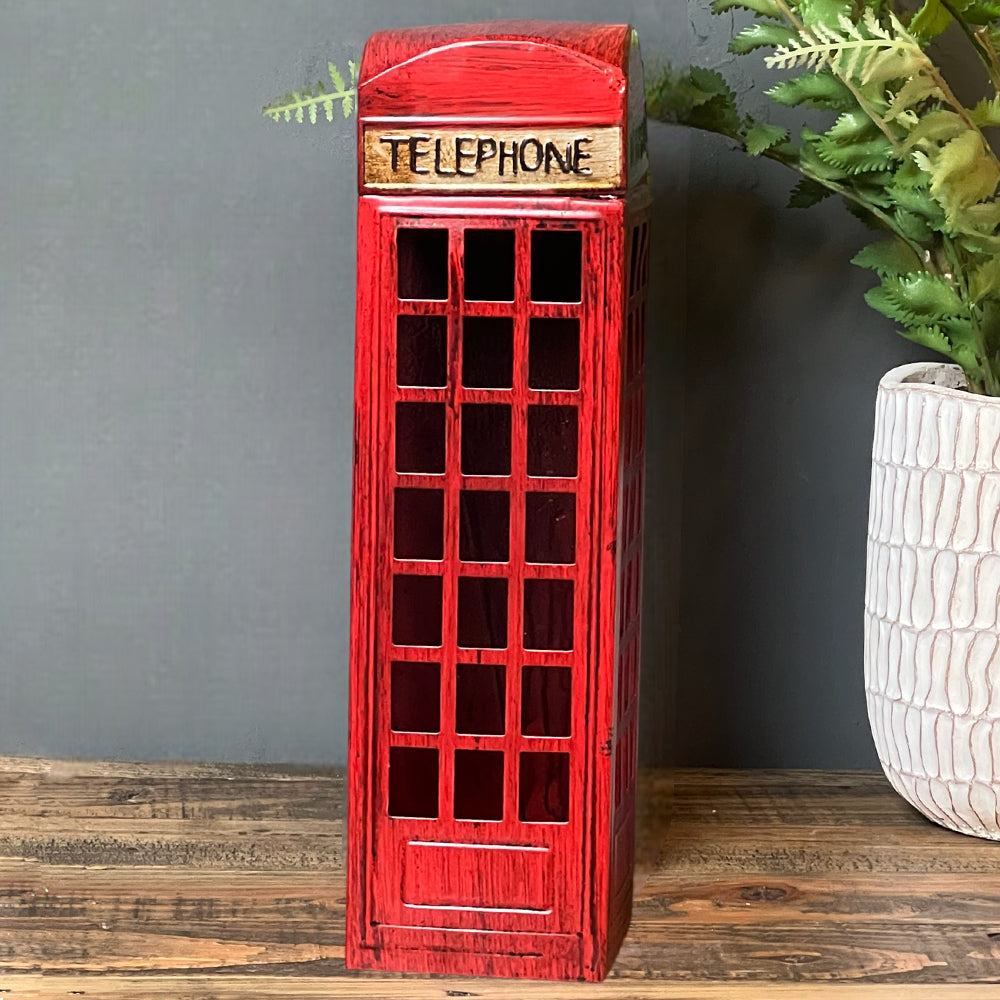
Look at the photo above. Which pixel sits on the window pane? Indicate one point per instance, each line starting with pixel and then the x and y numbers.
pixel 479 784
pixel 422 263
pixel 488 352
pixel 413 782
pixel 556 265
pixel 421 350
pixel 489 265
pixel 418 524
pixel 416 610
pixel 415 696
pixel 420 437
pixel 546 701
pixel 554 353
pixel 544 788
pixel 480 699
pixel 484 526
pixel 552 441
pixel 548 614
pixel 550 528
pixel 485 439
pixel 482 612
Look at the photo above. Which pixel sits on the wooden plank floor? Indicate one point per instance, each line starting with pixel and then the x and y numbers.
pixel 186 881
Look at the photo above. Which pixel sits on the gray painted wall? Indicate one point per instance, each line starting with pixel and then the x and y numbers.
pixel 176 321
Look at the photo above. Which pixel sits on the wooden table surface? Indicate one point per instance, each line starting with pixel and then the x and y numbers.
pixel 219 882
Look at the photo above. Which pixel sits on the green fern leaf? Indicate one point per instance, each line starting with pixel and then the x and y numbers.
pixel 916 298
pixel 888 258
pixel 352 67
pixel 917 200
pixel 760 137
pixel 935 338
pixel 823 13
pixel 309 100
pixel 981 221
pixel 761 34
pixel 916 90
pixel 807 193
pixel 814 90
pixel 930 20
pixel 963 172
pixel 874 187
pixel 982 12
pixel 985 280
pixel 698 97
pixel 869 54
pixel 898 61
pixel 857 157
pixel 986 113
pixel 932 337
pixel 851 127
pixel 768 8
pixel 936 126
pixel 913 226
pixel 813 164
pixel 335 77
pixel 978 243
pixel 864 215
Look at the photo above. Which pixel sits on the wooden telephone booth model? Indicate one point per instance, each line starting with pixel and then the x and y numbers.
pixel 503 246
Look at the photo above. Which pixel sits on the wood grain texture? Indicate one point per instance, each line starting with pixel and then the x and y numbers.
pixel 150 881
pixel 500 71
pixel 493 160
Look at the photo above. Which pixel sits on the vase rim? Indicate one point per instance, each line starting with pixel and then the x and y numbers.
pixel 934 377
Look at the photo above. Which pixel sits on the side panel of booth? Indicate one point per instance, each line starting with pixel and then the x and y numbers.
pixel 365 500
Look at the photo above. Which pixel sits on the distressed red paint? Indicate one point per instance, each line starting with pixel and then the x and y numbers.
pixel 498 481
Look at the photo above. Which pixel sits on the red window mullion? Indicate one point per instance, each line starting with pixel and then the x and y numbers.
pixel 450 566
pixel 518 487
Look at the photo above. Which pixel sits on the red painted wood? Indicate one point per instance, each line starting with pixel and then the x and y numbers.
pixel 599 53
pixel 500 73
pixel 494 649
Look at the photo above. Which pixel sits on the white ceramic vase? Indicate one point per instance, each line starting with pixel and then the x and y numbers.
pixel 932 636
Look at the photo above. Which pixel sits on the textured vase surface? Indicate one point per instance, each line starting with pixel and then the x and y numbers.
pixel 932 636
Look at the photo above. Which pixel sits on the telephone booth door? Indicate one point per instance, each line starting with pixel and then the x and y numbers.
pixel 487 350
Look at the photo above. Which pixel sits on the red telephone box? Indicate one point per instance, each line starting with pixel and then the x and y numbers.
pixel 503 247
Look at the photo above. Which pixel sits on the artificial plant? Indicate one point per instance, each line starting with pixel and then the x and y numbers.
pixel 307 102
pixel 904 152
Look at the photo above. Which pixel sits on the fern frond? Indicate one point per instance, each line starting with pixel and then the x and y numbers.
pixel 986 113
pixel 760 137
pixel 939 125
pixel 759 35
pixel 855 145
pixel 807 193
pixel 888 258
pixel 981 12
pixel 915 91
pixel 310 100
pixel 815 90
pixel 865 52
pixel 916 298
pixel 947 343
pixel 768 8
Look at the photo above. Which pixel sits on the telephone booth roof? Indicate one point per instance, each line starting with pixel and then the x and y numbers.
pixel 500 71
pixel 509 74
